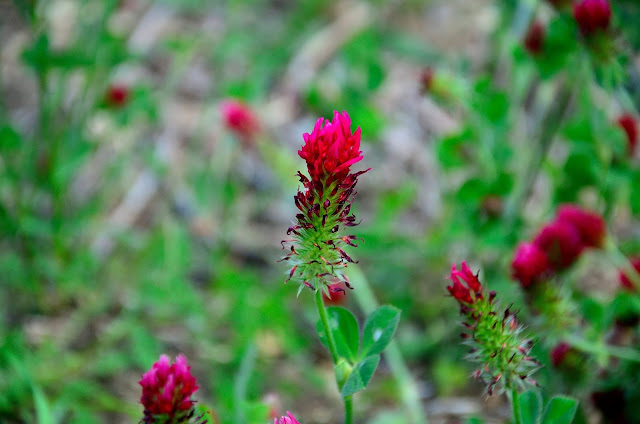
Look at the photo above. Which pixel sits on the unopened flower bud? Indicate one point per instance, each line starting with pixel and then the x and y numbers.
pixel 590 225
pixel 561 242
pixel 530 264
pixel 630 127
pixel 534 39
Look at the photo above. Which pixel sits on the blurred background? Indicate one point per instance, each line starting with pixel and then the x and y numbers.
pixel 138 217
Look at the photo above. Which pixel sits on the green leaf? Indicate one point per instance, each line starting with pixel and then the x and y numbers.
pixel 530 407
pixel 379 329
pixel 361 375
pixel 560 410
pixel 43 409
pixel 344 328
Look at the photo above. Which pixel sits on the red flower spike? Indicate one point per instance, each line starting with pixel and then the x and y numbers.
pixel 559 354
pixel 562 243
pixel 324 203
pixel 592 16
pixel 630 127
pixel 331 148
pixel 534 39
pixel 117 95
pixel 590 225
pixel 625 282
pixel 289 419
pixel 529 265
pixel 167 390
pixel 464 293
pixel 240 119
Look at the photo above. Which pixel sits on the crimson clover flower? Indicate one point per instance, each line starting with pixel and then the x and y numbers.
pixel 562 243
pixel 319 233
pixel 592 16
pixel 590 225
pixel 534 39
pixel 289 419
pixel 494 335
pixel 630 127
pixel 240 119
pixel 166 392
pixel 530 264
pixel 117 95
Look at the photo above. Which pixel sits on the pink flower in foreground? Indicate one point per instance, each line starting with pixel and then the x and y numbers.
pixel 320 231
pixel 589 224
pixel 239 118
pixel 534 39
pixel 289 419
pixel 167 390
pixel 592 16
pixel 469 292
pixel 630 127
pixel 562 243
pixel 624 279
pixel 331 148
pixel 529 265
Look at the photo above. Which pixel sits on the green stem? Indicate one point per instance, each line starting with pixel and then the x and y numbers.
pixel 515 403
pixel 603 350
pixel 393 355
pixel 348 410
pixel 324 319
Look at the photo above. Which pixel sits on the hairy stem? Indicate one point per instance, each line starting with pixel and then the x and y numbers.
pixel 324 319
pixel 348 410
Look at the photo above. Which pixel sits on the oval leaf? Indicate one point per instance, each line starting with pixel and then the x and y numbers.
pixel 344 328
pixel 361 375
pixel 560 410
pixel 379 329
pixel 530 407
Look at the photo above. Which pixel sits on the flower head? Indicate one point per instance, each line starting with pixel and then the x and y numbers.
pixel 592 16
pixel 561 242
pixel 469 292
pixel 624 279
pixel 240 119
pixel 530 264
pixel 534 39
pixel 331 148
pixel 590 225
pixel 494 335
pixel 317 247
pixel 289 419
pixel 630 127
pixel 167 390
pixel 117 95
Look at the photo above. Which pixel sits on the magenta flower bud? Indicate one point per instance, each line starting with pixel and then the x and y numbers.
pixel 592 16
pixel 469 292
pixel 117 95
pixel 166 392
pixel 240 119
pixel 530 264
pixel 630 127
pixel 289 419
pixel 559 354
pixel 534 39
pixel 562 243
pixel 590 225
